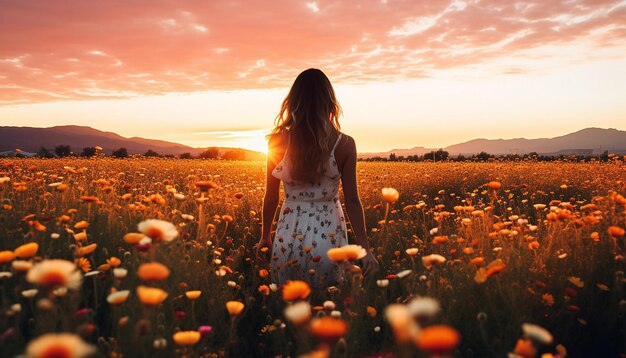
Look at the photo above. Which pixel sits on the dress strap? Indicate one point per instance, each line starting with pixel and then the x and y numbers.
pixel 336 143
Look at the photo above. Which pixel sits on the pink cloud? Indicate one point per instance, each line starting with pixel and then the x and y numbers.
pixel 53 51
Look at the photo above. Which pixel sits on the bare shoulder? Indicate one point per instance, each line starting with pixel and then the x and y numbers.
pixel 345 150
pixel 276 145
pixel 347 144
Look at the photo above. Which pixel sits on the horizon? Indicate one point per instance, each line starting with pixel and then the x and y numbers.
pixel 406 73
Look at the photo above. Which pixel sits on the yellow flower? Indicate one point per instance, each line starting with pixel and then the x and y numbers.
pixel 193 295
pixel 234 308
pixel 153 271
pixel 390 195
pixel 186 338
pixel 151 296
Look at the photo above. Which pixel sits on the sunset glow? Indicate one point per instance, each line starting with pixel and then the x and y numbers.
pixel 407 73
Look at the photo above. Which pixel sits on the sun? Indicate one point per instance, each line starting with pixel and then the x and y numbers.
pixel 256 143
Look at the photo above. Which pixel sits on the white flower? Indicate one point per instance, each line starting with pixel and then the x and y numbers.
pixel 424 306
pixel 329 305
pixel 30 293
pixel 118 297
pixel 55 273
pixel 158 230
pixel 404 273
pixel 54 236
pixel 51 344
pixel 382 283
pixel 179 197
pixel 119 272
pixel 298 313
pixel 537 333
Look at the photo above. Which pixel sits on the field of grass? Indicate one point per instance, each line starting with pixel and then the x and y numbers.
pixel 520 244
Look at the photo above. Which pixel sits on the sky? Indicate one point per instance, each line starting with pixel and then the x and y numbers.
pixel 407 72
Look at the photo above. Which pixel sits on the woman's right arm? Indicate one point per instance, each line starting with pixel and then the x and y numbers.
pixel 354 209
pixel 272 190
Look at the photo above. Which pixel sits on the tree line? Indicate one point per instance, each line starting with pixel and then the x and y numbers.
pixel 442 155
pixel 61 151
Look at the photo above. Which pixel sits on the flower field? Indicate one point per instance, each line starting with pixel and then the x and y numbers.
pixel 157 258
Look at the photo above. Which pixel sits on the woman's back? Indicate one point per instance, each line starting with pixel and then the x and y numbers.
pixel 311 222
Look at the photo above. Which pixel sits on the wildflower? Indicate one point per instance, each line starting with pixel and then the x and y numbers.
pixel 83 264
pixel 494 185
pixel 298 313
pixel 204 186
pixel 424 306
pixel 432 260
pixel 186 338
pixel 30 293
pixel 328 329
pixel 153 271
pixel 390 195
pixel 27 251
pixel 193 295
pixel 6 257
pixel 347 252
pixel 151 296
pixel 616 231
pixel 399 318
pixel 158 230
pixel 86 250
pixel 133 238
pixel 438 340
pixel 525 348
pixel 537 333
pixel 547 299
pixel 294 290
pixel 576 281
pixel 264 289
pixel 59 345
pixel 81 225
pixel 234 308
pixel 117 298
pixel 55 273
pixel 412 251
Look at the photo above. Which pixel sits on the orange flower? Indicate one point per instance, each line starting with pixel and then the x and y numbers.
pixel 525 348
pixel 328 329
pixel 264 289
pixel 293 290
pixel 616 231
pixel 55 273
pixel 151 296
pixel 86 250
pixel 27 251
pixel 347 252
pixel 83 264
pixel 186 338
pixel 263 273
pixel 438 339
pixel 133 238
pixel 494 185
pixel 234 308
pixel 193 295
pixel 390 195
pixel 494 267
pixel 6 256
pixel 153 271
pixel 206 185
pixel 81 225
pixel 227 218
pixel 113 261
pixel 478 261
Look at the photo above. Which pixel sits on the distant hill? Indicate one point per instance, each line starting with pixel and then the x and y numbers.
pixel 31 139
pixel 585 142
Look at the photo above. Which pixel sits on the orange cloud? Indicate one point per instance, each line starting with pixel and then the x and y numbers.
pixel 72 50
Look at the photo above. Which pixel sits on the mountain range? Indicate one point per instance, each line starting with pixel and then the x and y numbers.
pixel 585 141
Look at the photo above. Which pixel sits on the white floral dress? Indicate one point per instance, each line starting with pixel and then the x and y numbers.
pixel 311 222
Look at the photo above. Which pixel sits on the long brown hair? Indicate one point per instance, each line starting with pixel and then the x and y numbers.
pixel 309 116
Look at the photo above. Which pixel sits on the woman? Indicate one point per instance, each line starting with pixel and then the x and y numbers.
pixel 309 154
